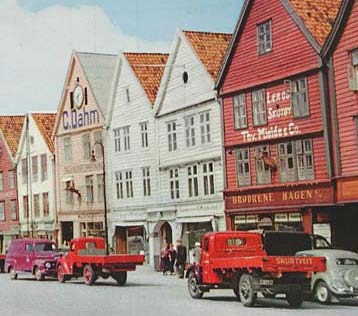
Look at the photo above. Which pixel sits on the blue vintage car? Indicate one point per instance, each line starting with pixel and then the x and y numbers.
pixel 341 277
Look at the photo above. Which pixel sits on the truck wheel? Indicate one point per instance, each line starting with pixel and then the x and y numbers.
pixel 295 298
pixel 247 295
pixel 121 278
pixel 89 275
pixel 13 274
pixel 235 285
pixel 193 288
pixel 38 275
pixel 60 274
pixel 323 294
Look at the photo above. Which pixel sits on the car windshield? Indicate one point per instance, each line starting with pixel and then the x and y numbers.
pixel 347 262
pixel 45 247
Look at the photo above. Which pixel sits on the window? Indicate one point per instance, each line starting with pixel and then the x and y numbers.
pixel 263 172
pixel 119 185
pixel 259 107
pixel 129 184
pixel 100 187
pixel 25 202
pixel 2 210
pixel 97 147
pixel 236 242
pixel 24 170
pixel 304 155
pixel 117 139
pixel 68 148
pixel 128 99
pixel 144 133
pixel 13 210
pixel 44 167
pixel 1 181
pixel 287 165
pixel 127 144
pixel 12 179
pixel 299 97
pixel 146 181
pixel 35 169
pixel 208 178
pixel 353 71
pixel 37 205
pixel 243 167
pixel 264 37
pixel 174 183
pixel 45 204
pixel 89 189
pixel 240 111
pixel 86 141
pixel 205 127
pixel 190 130
pixel 172 136
pixel 193 186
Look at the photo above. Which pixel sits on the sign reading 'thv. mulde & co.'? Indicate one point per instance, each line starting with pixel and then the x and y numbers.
pixel 299 197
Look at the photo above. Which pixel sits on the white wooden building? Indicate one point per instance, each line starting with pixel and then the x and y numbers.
pixel 132 149
pixel 35 177
pixel 188 123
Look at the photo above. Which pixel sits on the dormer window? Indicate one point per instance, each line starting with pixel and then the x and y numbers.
pixel 264 37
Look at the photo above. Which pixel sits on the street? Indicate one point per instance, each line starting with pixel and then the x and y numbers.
pixel 146 292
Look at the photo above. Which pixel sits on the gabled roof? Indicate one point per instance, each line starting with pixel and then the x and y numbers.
pixel 318 16
pixel 149 69
pixel 45 123
pixel 99 71
pixel 210 48
pixel 11 127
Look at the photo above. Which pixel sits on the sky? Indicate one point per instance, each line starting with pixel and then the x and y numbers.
pixel 38 36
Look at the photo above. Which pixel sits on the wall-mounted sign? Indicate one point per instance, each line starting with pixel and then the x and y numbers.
pixel 281 218
pixel 294 217
pixel 276 97
pixel 79 118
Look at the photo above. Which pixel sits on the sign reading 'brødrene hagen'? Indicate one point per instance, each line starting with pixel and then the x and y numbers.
pixel 79 118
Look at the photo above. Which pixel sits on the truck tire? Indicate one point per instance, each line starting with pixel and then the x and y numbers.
pixel 38 275
pixel 13 274
pixel 61 275
pixel 322 292
pixel 121 278
pixel 89 275
pixel 235 285
pixel 193 288
pixel 295 298
pixel 247 295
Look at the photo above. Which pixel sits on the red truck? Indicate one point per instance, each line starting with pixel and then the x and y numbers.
pixel 86 257
pixel 2 263
pixel 253 262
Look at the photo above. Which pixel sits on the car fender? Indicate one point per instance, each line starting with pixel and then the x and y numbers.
pixel 65 266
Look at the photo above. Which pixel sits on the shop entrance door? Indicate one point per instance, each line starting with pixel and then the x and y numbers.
pixel 67 231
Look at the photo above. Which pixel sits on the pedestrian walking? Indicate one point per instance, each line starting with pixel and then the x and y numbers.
pixel 181 258
pixel 197 252
pixel 172 257
pixel 164 258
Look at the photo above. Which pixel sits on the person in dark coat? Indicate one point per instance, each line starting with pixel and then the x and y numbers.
pixel 181 258
pixel 172 257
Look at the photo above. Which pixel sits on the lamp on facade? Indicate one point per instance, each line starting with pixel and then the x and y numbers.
pixel 93 159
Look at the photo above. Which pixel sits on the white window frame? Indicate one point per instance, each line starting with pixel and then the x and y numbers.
pixel 86 143
pixel 24 170
pixel 193 180
pixel 89 189
pixel 263 172
pixel 240 116
pixel 190 131
pixel 37 208
pixel 129 183
pixel 259 111
pixel 43 163
pixel 12 179
pixel 117 139
pixel 208 178
pixel 205 128
pixel 304 156
pixel 100 187
pixel 119 185
pixel 147 190
pixel 1 181
pixel 35 168
pixel 2 210
pixel 174 184
pixel 264 37
pixel 172 136
pixel 13 210
pixel 287 161
pixel 67 144
pixel 299 98
pixel 243 173
pixel 144 134
pixel 45 204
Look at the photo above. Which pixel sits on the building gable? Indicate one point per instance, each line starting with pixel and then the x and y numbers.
pixel 11 129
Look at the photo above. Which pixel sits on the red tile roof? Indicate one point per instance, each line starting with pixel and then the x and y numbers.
pixel 149 68
pixel 317 15
pixel 11 127
pixel 211 49
pixel 45 123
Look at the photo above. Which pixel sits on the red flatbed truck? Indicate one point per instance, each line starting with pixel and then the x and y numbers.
pixel 86 257
pixel 251 262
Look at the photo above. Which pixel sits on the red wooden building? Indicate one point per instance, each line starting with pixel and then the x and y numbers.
pixel 340 53
pixel 278 156
pixel 10 132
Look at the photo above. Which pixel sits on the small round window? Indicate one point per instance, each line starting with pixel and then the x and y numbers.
pixel 185 77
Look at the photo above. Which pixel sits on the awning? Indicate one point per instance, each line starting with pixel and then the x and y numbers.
pixel 195 219
pixel 129 224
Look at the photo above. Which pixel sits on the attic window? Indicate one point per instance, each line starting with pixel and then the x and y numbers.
pixel 185 77
pixel 78 79
pixel 127 95
pixel 32 140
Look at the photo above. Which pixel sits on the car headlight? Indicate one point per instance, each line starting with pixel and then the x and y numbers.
pixel 48 265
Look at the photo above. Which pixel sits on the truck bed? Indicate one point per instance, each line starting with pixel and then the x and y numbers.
pixel 271 263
